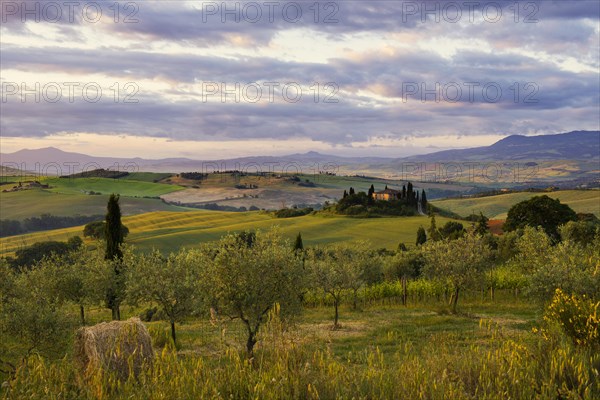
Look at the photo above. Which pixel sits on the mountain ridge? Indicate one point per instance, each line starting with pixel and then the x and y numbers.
pixel 578 145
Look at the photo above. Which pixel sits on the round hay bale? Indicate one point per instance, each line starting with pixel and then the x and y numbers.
pixel 120 347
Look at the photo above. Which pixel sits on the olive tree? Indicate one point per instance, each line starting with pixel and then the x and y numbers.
pixel 460 261
pixel 172 282
pixel 246 279
pixel 78 278
pixel 31 311
pixel 341 268
pixel 569 265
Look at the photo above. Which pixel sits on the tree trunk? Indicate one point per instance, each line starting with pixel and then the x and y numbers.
pixel 173 333
pixel 455 300
pixel 354 299
pixel 82 315
pixel 335 320
pixel 404 293
pixel 492 292
pixel 116 313
pixel 250 344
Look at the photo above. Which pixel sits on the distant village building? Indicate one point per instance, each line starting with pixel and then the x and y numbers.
pixel 387 194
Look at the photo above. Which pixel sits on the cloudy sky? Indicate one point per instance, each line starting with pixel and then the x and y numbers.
pixel 205 79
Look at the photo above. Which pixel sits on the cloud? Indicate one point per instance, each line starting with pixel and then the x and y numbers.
pixel 374 52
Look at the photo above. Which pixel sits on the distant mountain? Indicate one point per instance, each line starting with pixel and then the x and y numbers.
pixel 576 145
pixel 48 160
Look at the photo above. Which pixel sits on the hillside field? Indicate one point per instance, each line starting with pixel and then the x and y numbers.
pixel 167 231
pixel 496 207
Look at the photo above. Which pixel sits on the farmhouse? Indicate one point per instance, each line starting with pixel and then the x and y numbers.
pixel 387 194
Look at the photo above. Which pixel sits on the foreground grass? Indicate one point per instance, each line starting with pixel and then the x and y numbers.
pixel 486 351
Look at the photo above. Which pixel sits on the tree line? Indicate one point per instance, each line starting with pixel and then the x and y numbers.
pixel 44 222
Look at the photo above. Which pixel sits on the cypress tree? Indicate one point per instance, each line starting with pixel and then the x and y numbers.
pixel 113 232
pixel 114 239
pixel 298 245
pixel 351 190
pixel 423 199
pixel 345 194
pixel 421 236
pixel 482 226
pixel 404 191
pixel 371 191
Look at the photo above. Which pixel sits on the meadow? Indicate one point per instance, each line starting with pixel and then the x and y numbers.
pixel 490 350
pixel 167 231
pixel 496 207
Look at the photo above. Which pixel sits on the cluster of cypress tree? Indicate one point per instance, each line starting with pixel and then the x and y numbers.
pixel 407 196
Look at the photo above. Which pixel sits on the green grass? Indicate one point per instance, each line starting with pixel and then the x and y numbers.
pixel 34 202
pixel 124 187
pixel 167 231
pixel 381 351
pixel 496 207
pixel 146 176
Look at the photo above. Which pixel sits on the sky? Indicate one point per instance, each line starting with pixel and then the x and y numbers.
pixel 213 80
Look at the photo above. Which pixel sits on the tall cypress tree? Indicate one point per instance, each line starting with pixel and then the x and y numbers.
pixel 421 236
pixel 114 239
pixel 423 199
pixel 371 191
pixel 351 190
pixel 298 245
pixel 112 229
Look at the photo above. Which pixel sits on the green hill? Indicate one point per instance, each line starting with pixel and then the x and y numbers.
pixel 496 207
pixel 168 231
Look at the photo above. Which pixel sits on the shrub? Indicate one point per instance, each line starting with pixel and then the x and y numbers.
pixel 576 316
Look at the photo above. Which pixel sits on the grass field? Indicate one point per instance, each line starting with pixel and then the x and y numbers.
pixel 496 207
pixel 168 231
pixel 168 228
pixel 128 188
pixel 34 202
pixel 488 350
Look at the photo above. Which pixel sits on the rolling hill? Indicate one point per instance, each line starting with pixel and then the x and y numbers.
pixel 496 207
pixel 167 231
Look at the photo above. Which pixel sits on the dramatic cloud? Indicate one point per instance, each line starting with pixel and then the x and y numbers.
pixel 341 73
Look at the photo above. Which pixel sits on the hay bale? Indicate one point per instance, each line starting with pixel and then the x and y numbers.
pixel 122 347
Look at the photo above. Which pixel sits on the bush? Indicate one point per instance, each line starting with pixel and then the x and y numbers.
pixel 576 316
pixel 292 212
